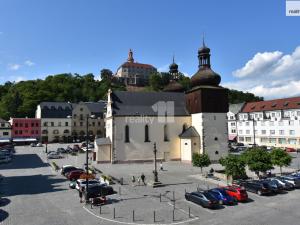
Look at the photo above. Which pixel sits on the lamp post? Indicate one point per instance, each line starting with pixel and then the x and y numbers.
pixel 46 150
pixel 155 166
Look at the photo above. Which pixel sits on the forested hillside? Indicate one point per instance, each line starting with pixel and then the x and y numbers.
pixel 20 99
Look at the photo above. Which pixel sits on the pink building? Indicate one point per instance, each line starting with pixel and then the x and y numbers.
pixel 24 128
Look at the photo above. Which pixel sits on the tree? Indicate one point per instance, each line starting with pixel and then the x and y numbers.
pixel 234 166
pixel 258 160
pixel 106 74
pixel 280 158
pixel 155 81
pixel 200 160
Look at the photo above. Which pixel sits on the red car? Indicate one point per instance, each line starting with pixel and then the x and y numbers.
pixel 290 150
pixel 237 192
pixel 75 174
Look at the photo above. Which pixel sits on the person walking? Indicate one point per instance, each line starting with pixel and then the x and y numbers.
pixel 161 166
pixel 133 180
pixel 143 178
pixel 139 181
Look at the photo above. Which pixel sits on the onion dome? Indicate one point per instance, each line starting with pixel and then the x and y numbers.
pixel 205 75
pixel 173 67
pixel 174 86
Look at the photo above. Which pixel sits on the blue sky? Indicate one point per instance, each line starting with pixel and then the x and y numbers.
pixel 38 38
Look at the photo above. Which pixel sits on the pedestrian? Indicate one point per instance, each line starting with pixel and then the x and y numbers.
pixel 139 181
pixel 143 178
pixel 161 166
pixel 133 179
pixel 80 194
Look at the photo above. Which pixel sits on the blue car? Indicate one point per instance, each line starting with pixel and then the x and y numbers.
pixel 222 196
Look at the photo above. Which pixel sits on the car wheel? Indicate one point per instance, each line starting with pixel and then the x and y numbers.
pixel 259 192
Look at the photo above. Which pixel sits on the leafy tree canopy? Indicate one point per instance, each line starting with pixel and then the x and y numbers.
pixel 234 166
pixel 280 158
pixel 200 160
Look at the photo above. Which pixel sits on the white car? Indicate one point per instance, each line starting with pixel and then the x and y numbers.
pixel 82 183
pixel 39 145
pixel 54 155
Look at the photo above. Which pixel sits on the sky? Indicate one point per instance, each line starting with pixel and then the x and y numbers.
pixel 255 47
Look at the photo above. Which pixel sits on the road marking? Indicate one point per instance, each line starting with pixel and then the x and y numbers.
pixel 207 210
pixel 116 221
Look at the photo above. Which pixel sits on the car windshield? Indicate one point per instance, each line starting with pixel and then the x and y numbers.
pixel 209 196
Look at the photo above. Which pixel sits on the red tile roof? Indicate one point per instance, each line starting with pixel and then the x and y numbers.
pixel 276 104
pixel 134 64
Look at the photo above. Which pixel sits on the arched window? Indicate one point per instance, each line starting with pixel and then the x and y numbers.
pixel 147 133
pixel 82 133
pixel 126 133
pixel 66 131
pixel 184 127
pixel 44 132
pixel 166 136
pixel 99 132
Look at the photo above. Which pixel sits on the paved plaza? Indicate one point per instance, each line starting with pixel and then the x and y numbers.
pixel 34 194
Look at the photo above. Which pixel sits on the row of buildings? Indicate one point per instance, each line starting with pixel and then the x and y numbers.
pixel 273 123
pixel 57 122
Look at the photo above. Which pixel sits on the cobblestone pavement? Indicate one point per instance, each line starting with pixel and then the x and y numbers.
pixel 34 194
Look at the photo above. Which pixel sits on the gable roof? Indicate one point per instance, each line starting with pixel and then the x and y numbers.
pixel 189 133
pixel 56 109
pixel 135 64
pixel 140 103
pixel 276 104
pixel 3 121
pixel 236 108
pixel 96 108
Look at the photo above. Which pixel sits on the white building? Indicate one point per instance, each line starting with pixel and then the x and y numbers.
pixel 270 123
pixel 5 130
pixel 232 115
pixel 179 123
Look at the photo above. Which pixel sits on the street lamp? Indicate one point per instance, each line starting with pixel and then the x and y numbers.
pixel 87 154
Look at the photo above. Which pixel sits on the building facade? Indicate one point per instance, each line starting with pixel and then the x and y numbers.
pixel 25 129
pixel 179 123
pixel 5 130
pixel 270 123
pixel 56 121
pixel 232 115
pixel 81 112
pixel 134 73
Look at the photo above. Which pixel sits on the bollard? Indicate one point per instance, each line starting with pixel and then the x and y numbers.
pixel 133 216
pixel 154 217
pixel 184 191
pixel 159 197
pixel 197 187
pixel 114 213
pixel 173 195
pixel 91 205
pixel 100 211
pixel 173 215
pixel 119 190
pixel 189 212
pixel 174 205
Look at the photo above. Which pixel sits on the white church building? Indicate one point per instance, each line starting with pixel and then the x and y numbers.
pixel 179 122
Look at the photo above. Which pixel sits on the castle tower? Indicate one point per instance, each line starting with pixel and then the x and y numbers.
pixel 207 102
pixel 130 56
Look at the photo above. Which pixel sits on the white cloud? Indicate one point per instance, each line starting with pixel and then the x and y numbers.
pixel 270 74
pixel 163 68
pixel 14 66
pixel 29 63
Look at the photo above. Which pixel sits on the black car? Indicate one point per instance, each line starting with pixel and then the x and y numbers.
pixel 61 150
pixel 98 190
pixel 203 198
pixel 68 169
pixel 260 188
pixel 274 185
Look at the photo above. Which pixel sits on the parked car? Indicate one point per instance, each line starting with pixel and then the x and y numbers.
pixel 85 148
pixel 291 179
pixel 82 183
pixel 61 150
pixel 274 185
pixel 203 198
pixel 237 192
pixel 259 188
pixel 6 152
pixel 39 145
pixel 33 145
pixel 76 148
pixel 67 168
pixel 286 185
pixel 222 196
pixel 54 155
pixel 69 149
pixel 74 174
pixel 290 150
pixel 97 191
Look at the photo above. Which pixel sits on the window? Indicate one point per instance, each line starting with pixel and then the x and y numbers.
pixel 298 113
pixel 233 131
pixel 291 122
pixel 59 124
pixel 26 125
pixel 216 138
pixel 5 133
pixel 147 133
pixel 281 140
pixel 273 114
pixel 66 124
pixel 281 132
pixel 126 133
pixel 232 124
pixel 32 132
pixel 271 123
pixel 166 138
pixel 217 153
pixel 81 109
pixel 280 123
pixel 247 131
pixel 272 140
pixel 292 141
pixel 272 132
pixel 81 124
pixel 240 131
pixel 248 139
pixel 66 131
pixel 20 132
pixel 52 124
pixel 16 132
pixel 247 123
pixel 16 124
pixel 81 116
pixel 240 123
pixel 2 124
pixel 264 140
pixel 263 132
pixel 215 117
pixel 241 138
pixel 45 124
pixel 32 124
pixel 36 124
pixel 44 132
pixel 99 123
pixel 74 124
pixel 21 124
pixel 93 123
pixel 232 117
pixel 292 132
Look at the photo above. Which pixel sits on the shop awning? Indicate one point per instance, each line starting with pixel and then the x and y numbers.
pixel 231 137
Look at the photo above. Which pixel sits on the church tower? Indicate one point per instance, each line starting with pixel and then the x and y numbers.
pixel 207 102
pixel 174 85
pixel 130 56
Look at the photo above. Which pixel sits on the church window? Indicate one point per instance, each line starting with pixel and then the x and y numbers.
pixel 217 153
pixel 147 133
pixel 126 133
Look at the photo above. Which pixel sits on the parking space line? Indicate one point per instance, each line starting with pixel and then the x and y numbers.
pixel 129 223
pixel 207 210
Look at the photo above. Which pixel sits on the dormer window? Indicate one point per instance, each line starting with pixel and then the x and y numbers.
pixel 286 104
